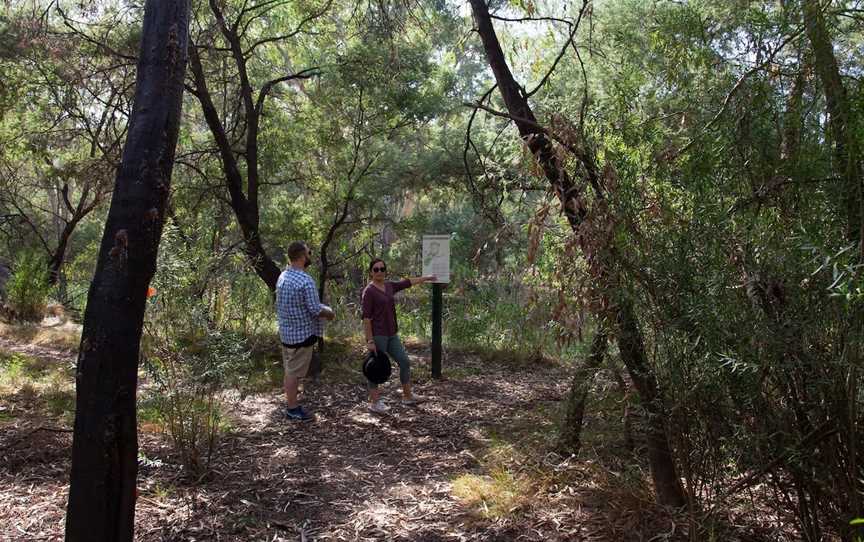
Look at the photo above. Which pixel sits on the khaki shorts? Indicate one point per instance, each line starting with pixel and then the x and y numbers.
pixel 296 360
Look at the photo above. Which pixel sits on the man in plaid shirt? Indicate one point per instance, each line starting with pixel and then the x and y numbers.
pixel 299 312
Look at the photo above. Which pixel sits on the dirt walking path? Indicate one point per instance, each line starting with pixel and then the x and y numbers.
pixel 352 475
pixel 349 475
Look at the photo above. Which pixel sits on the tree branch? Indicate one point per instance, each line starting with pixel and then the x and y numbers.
pixel 574 28
pixel 77 32
pixel 268 86
pixel 737 87
pixel 291 34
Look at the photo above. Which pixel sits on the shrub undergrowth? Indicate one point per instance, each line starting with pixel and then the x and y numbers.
pixel 27 289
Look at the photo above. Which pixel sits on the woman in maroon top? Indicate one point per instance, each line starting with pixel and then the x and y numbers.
pixel 381 328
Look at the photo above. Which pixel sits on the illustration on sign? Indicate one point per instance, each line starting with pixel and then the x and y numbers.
pixel 436 257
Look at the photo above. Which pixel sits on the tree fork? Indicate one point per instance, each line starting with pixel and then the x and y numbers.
pixel 104 468
pixel 245 209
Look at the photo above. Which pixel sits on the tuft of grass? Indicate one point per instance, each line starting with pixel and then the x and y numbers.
pixel 464 372
pixel 496 495
pixel 27 391
pixel 15 364
pixel 43 381
pixel 265 369
pixel 159 492
pixel 513 471
pixel 517 360
pixel 340 363
pixel 341 360
pixel 61 402
pixel 17 369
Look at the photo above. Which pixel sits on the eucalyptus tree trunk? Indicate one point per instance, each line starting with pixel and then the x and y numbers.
pixel 243 183
pixel 628 335
pixel 840 125
pixel 244 205
pixel 105 444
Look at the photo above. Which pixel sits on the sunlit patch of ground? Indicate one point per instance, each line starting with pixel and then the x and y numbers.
pixel 54 333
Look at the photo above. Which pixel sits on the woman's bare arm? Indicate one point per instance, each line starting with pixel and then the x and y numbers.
pixel 421 280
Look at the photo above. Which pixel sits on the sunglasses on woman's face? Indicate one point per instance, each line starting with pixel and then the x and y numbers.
pixel 379 269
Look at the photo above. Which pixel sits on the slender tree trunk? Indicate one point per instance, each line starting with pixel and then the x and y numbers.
pixel 325 268
pixel 629 338
pixel 77 214
pixel 105 446
pixel 59 256
pixel 840 124
pixel 570 440
pixel 316 366
pixel 626 414
pixel 790 144
pixel 245 208
pixel 847 158
pixel 325 247
pixel 632 349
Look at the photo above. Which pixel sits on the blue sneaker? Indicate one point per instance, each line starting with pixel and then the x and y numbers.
pixel 297 414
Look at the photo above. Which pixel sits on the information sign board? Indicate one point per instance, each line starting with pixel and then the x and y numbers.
pixel 436 257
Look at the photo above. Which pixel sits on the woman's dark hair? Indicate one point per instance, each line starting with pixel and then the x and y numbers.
pixel 373 262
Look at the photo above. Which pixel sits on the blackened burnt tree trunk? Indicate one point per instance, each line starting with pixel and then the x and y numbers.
pixel 105 447
pixel 626 326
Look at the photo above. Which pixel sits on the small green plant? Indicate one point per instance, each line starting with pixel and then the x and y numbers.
pixel 148 410
pixel 61 402
pixel 494 496
pixel 12 371
pixel 162 492
pixel 189 373
pixel 190 413
pixel 190 363
pixel 5 415
pixel 192 354
pixel 27 290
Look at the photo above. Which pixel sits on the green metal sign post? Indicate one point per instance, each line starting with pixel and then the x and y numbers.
pixel 437 309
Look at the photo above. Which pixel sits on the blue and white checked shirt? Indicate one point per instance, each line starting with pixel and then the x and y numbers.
pixel 297 307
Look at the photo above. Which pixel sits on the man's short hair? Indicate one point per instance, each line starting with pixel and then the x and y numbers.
pixel 296 250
